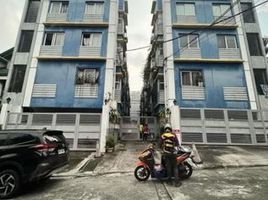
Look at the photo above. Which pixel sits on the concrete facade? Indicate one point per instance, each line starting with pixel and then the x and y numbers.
pixel 70 62
pixel 205 57
pixel 223 69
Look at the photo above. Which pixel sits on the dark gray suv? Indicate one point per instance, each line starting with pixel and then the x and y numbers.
pixel 29 155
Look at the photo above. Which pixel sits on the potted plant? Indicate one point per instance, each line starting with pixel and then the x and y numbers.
pixel 110 143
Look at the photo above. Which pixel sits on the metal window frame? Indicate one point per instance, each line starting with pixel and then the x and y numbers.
pixel 191 77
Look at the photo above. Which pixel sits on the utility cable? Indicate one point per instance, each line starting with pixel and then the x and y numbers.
pixel 225 19
pixel 209 26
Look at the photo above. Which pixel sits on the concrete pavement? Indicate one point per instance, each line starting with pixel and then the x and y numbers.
pixel 227 173
pixel 124 160
pixel 221 184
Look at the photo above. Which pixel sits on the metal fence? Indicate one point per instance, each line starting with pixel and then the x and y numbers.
pixel 82 130
pixel 129 127
pixel 211 126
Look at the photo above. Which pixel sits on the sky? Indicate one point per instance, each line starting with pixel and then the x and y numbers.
pixel 139 32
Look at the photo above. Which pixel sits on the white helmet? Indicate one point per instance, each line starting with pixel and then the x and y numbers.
pixel 167 126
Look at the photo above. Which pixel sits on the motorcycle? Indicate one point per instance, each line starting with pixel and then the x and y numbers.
pixel 147 165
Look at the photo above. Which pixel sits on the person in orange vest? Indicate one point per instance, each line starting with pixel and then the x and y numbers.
pixel 168 143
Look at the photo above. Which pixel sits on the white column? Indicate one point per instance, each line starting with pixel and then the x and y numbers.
pixel 169 75
pixel 37 45
pixel 109 71
pixel 245 57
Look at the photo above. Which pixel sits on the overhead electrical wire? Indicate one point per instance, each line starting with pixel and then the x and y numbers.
pixel 208 26
pixel 212 24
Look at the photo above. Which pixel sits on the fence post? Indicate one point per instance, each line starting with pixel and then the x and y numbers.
pixel 227 126
pixel 203 120
pixel 98 153
pixel 251 127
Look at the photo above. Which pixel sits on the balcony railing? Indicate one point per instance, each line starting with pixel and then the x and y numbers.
pixel 89 51
pixel 161 97
pixel 230 21
pixel 193 93
pixel 51 17
pixel 186 19
pixel 93 18
pixel 51 50
pixel 190 53
pixel 120 29
pixel 118 95
pixel 233 53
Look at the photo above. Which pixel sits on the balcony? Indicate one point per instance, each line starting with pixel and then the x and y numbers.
pixel 190 53
pixel 159 61
pixel 120 29
pixel 232 53
pixel 89 51
pixel 117 95
pixel 226 22
pixel 51 50
pixel 58 17
pixel 193 93
pixel 161 97
pixel 182 19
pixel 93 18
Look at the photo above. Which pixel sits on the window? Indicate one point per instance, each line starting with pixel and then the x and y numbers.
pixel 17 78
pixel 53 39
pixel 227 41
pixel 254 44
pixel 58 7
pixel 25 41
pixel 20 138
pixel 87 76
pixel 118 83
pixel 221 10
pixel 3 139
pixel 32 11
pixel 187 9
pixel 161 86
pixel 260 79
pixel 94 8
pixel 248 15
pixel 192 78
pixel 91 39
pixel 188 41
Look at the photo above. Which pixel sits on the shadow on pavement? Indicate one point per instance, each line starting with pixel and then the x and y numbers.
pixel 35 188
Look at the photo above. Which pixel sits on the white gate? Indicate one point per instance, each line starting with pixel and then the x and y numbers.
pixel 130 127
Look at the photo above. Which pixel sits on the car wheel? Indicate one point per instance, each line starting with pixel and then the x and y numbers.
pixel 9 183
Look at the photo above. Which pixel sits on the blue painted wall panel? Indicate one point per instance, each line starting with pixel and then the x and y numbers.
pixel 203 9
pixel 73 36
pixel 159 5
pixel 207 41
pixel 121 5
pixel 76 10
pixel 216 76
pixel 63 74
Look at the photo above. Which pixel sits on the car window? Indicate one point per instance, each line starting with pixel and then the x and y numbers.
pixel 21 138
pixel 3 139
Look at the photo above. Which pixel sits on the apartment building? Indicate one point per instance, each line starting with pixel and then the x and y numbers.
pixel 214 74
pixel 5 58
pixel 64 69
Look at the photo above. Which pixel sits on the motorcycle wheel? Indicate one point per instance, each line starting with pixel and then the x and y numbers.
pixel 142 173
pixel 186 172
